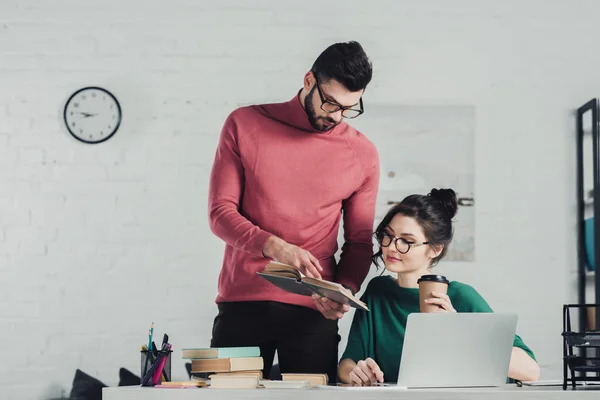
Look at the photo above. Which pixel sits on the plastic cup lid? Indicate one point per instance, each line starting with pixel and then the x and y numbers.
pixel 433 278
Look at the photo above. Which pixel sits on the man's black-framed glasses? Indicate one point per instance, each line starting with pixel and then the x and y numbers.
pixel 331 107
pixel 402 245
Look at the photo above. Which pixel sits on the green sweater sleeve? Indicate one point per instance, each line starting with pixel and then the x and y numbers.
pixel 359 337
pixel 466 299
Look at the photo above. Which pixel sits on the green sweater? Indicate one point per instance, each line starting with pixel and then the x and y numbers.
pixel 372 332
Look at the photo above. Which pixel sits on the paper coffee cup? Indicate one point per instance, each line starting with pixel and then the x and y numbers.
pixel 428 284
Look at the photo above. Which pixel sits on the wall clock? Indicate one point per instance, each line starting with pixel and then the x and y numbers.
pixel 92 115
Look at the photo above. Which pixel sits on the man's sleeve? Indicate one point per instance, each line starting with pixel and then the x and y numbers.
pixel 359 215
pixel 225 191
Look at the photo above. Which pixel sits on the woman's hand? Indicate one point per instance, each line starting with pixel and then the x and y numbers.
pixel 442 300
pixel 366 372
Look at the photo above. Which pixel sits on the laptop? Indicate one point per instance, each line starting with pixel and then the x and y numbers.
pixel 444 350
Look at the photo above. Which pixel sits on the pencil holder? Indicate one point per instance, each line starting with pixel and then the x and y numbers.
pixel 148 358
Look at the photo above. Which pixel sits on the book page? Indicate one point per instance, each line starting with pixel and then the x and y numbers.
pixel 274 267
pixel 327 284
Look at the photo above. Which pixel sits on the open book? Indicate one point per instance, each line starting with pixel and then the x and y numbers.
pixel 291 280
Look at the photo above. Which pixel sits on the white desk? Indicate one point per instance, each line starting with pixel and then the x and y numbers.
pixel 504 392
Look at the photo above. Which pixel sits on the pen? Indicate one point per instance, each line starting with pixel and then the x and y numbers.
pixel 147 351
pixel 158 375
pixel 164 376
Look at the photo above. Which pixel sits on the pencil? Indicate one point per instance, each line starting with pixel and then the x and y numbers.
pixel 148 351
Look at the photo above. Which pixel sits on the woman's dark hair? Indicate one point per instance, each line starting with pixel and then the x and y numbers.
pixel 346 63
pixel 433 212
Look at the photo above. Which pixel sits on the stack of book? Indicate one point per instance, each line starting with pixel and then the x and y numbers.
pixel 229 367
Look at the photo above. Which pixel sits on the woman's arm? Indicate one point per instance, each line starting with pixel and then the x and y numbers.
pixel 359 338
pixel 522 367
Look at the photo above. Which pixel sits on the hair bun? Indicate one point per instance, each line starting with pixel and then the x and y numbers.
pixel 448 199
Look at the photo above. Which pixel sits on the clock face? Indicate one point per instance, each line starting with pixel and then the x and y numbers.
pixel 92 115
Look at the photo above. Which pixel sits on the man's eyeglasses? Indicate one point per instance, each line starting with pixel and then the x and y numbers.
pixel 402 245
pixel 331 107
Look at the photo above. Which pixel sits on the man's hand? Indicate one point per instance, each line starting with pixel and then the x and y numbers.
pixel 329 308
pixel 302 260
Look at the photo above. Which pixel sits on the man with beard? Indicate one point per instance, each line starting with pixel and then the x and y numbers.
pixel 283 176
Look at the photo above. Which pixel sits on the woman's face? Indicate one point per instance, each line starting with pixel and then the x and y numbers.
pixel 406 234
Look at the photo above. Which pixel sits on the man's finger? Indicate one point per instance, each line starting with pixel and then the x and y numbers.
pixel 311 270
pixel 337 312
pixel 319 306
pixel 326 304
pixel 315 262
pixel 306 270
pixel 334 304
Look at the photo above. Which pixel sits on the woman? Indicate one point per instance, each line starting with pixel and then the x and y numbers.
pixel 414 236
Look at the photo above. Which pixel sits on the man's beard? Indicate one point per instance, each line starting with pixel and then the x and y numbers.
pixel 309 107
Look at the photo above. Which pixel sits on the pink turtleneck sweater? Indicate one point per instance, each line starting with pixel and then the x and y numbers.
pixel 273 174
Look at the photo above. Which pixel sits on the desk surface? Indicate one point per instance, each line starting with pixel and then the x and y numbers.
pixel 503 392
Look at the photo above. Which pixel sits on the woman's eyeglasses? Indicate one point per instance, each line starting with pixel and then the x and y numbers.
pixel 402 245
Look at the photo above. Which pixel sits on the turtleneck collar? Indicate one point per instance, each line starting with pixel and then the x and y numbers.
pixel 292 113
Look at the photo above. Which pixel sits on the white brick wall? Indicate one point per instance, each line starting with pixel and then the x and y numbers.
pixel 96 242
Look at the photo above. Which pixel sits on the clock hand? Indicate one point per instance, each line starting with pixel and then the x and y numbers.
pixel 86 115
